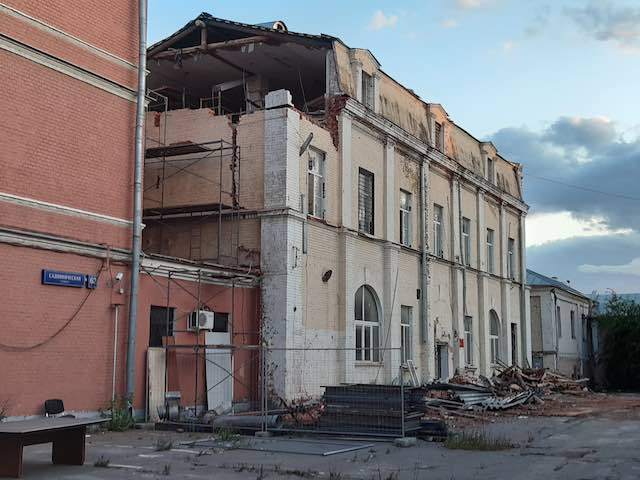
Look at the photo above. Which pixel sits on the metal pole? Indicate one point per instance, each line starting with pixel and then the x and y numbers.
pixel 115 355
pixel 263 357
pixel 137 203
pixel 401 399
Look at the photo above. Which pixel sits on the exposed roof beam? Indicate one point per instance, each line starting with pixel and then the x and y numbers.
pixel 171 40
pixel 171 53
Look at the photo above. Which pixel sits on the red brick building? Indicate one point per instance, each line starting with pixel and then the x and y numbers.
pixel 66 195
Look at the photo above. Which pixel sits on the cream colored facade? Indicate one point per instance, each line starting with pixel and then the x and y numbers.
pixel 314 263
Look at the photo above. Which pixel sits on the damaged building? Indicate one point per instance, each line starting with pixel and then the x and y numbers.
pixel 384 233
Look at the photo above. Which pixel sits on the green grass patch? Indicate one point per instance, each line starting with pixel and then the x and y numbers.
pixel 477 440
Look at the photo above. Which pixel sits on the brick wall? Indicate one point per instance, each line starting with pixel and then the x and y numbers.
pixel 76 365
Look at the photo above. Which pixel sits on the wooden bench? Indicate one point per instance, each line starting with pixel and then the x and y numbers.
pixel 67 435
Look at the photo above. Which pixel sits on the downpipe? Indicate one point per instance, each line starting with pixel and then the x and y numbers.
pixel 137 204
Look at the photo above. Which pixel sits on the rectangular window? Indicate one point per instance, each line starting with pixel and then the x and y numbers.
pixel 365 201
pixel 558 322
pixel 438 233
pixel 466 240
pixel 438 136
pixel 468 340
pixel 406 322
pixel 490 170
pixel 573 324
pixel 511 270
pixel 160 325
pixel 405 218
pixel 490 250
pixel 367 89
pixel 315 183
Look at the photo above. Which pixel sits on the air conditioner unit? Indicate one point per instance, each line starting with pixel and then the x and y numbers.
pixel 200 320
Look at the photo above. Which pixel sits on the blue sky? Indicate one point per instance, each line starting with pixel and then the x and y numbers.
pixel 535 77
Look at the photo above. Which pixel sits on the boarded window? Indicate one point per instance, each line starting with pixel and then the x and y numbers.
pixel 438 136
pixel 367 90
pixel 365 201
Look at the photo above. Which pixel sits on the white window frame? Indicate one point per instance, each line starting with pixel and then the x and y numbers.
pixel 362 203
pixel 438 230
pixel 367 330
pixel 468 340
pixel 511 245
pixel 466 240
pixel 405 217
pixel 494 339
pixel 491 261
pixel 406 333
pixel 316 183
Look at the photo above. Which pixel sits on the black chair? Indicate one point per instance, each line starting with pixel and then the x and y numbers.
pixel 54 407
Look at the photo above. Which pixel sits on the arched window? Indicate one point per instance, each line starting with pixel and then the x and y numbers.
pixel 494 336
pixel 367 325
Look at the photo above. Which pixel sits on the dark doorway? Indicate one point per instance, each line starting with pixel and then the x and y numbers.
pixel 160 324
pixel 442 361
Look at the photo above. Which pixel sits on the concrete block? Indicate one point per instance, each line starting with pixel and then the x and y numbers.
pixel 278 98
pixel 405 442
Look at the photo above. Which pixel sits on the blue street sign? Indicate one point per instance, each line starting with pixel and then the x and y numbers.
pixel 64 279
pixel 92 281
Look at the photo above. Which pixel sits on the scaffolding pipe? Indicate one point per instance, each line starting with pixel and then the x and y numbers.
pixel 137 203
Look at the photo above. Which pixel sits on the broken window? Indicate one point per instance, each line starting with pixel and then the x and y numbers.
pixel 466 240
pixel 367 90
pixel 367 326
pixel 511 270
pixel 490 250
pixel 315 183
pixel 438 247
pixel 406 322
pixel 468 340
pixel 365 201
pixel 160 325
pixel 405 218
pixel 438 136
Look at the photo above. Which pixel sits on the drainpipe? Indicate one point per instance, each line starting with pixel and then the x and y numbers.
pixel 137 203
pixel 115 354
pixel 424 272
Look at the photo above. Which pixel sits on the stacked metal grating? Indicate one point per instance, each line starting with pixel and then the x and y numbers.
pixel 372 409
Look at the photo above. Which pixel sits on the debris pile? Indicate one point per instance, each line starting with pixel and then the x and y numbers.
pixel 513 386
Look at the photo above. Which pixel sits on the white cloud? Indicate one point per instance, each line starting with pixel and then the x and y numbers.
pixel 380 21
pixel 449 23
pixel 631 268
pixel 474 4
pixel 550 227
pixel 508 46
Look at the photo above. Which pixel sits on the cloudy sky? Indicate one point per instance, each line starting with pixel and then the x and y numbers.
pixel 554 84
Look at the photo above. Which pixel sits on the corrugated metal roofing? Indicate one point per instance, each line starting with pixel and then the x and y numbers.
pixel 210 19
pixel 537 279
